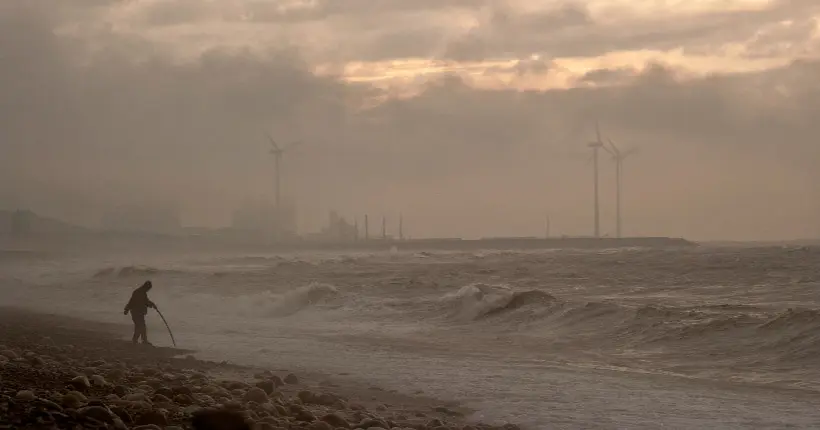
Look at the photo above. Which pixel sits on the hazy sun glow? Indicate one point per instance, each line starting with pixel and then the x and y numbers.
pixel 562 72
pixel 231 24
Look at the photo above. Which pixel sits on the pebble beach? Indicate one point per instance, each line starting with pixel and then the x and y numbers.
pixel 64 373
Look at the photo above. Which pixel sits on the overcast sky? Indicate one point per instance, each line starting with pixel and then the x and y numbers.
pixel 470 117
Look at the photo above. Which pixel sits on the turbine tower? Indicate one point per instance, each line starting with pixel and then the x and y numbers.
pixel 618 156
pixel 277 152
pixel 596 145
pixel 547 227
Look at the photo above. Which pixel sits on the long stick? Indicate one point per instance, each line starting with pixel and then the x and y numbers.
pixel 166 326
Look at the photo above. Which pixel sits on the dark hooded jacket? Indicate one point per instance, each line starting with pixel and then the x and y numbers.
pixel 139 302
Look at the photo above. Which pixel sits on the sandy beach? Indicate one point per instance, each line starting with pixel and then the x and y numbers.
pixel 60 372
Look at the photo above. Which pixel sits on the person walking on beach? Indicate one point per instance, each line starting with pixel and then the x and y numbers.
pixel 138 306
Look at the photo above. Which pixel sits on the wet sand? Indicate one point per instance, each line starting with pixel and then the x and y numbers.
pixel 59 372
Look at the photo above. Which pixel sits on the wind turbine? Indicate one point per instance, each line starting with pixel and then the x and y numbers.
pixel 618 156
pixel 596 146
pixel 277 152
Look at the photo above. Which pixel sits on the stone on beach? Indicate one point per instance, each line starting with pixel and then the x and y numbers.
pixel 98 413
pixel 25 395
pixel 98 381
pixel 335 420
pixel 256 395
pixel 277 381
pixel 291 379
pixel 320 425
pixel 267 385
pixel 371 423
pixel 115 374
pixel 301 414
pixel 73 400
pixel 36 360
pixel 159 398
pixel 8 354
pixel 80 383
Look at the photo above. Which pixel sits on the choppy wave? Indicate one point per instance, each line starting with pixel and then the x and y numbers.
pixel 13 255
pixel 264 304
pixel 741 334
pixel 131 272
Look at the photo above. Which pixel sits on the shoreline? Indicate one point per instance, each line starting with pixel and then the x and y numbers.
pixel 34 243
pixel 58 372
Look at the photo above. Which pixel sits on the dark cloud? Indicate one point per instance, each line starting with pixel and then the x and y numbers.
pixel 386 29
pixel 708 32
pixel 82 132
pixel 174 12
pixel 269 11
pixel 507 32
pixel 571 31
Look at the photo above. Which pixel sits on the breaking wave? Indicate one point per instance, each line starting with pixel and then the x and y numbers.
pixel 741 334
pixel 300 298
pixel 477 301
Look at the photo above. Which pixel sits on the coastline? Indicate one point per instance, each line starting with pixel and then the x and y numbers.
pixel 59 372
pixel 35 245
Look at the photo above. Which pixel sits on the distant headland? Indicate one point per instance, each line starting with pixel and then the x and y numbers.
pixel 24 229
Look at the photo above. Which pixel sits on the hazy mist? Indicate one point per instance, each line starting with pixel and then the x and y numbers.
pixel 104 103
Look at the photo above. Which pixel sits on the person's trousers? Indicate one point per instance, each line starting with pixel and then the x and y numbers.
pixel 139 327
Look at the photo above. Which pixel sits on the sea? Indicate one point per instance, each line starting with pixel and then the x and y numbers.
pixel 709 337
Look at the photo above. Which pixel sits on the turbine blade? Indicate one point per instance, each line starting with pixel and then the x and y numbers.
pixel 273 143
pixel 615 149
pixel 610 151
pixel 630 151
pixel 598 131
pixel 292 145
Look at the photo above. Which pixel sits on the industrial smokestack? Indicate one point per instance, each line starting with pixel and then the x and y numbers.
pixel 366 229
